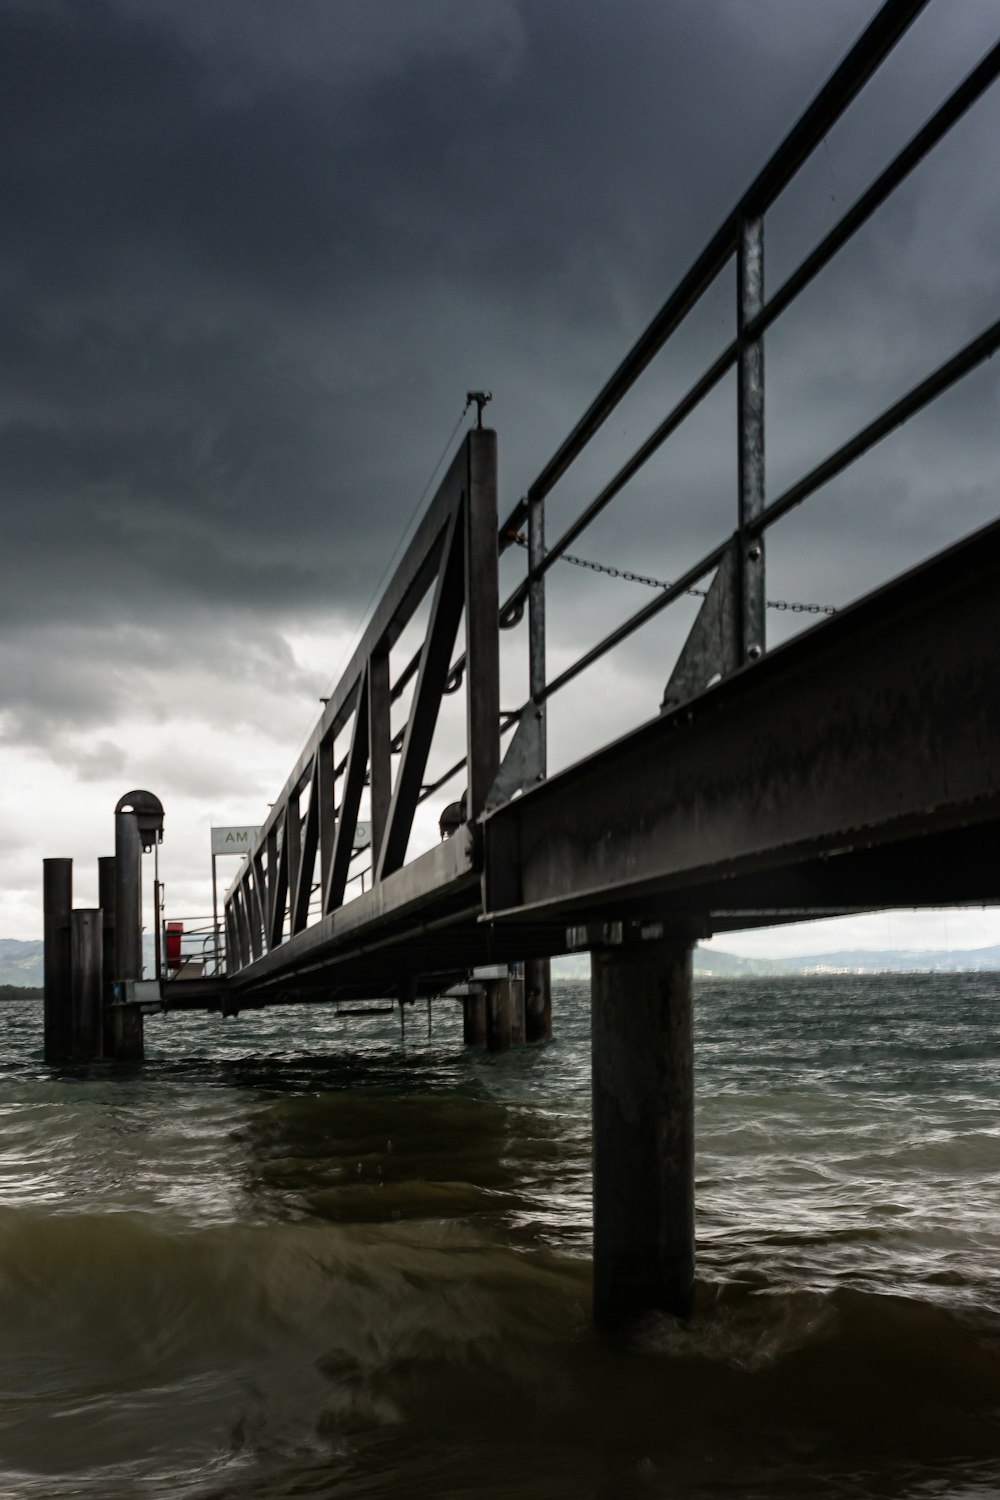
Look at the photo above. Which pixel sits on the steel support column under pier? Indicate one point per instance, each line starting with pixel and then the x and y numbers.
pixel 517 1022
pixel 538 1000
pixel 643 1121
pixel 474 1019
pixel 498 1014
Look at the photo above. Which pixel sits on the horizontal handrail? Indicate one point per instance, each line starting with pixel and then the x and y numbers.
pixel 922 394
pixel 917 149
pixel 840 89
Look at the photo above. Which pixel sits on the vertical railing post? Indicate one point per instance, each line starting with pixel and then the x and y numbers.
pixel 482 605
pixel 273 884
pixel 750 421
pixel 293 852
pixel 536 624
pixel 242 925
pixel 233 955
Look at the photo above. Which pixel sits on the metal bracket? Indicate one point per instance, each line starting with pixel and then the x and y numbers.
pixel 712 648
pixel 626 934
pixel 521 767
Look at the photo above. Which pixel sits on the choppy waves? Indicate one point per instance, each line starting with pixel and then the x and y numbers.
pixel 244 1271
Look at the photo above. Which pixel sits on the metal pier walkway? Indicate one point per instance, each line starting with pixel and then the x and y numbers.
pixel 857 766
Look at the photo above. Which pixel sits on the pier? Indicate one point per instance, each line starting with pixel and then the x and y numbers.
pixel 854 767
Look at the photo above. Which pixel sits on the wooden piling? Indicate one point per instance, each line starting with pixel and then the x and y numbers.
pixel 643 1124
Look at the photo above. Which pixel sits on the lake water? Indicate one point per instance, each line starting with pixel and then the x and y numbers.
pixel 289 1256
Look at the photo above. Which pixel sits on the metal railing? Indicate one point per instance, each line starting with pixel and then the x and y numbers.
pixel 201 947
pixel 455 551
pixel 453 557
pixel 738 561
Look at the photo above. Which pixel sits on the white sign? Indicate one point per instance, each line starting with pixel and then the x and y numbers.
pixel 233 840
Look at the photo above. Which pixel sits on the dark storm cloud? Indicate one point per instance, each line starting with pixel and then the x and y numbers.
pixel 254 255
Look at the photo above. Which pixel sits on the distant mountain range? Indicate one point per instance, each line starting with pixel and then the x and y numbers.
pixel 21 962
pixel 851 961
pixel 856 961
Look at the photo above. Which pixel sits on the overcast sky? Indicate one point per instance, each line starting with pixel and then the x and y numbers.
pixel 254 255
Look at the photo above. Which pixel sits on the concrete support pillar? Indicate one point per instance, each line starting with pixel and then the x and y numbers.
pixel 87 984
pixel 474 1019
pixel 643 1121
pixel 498 1014
pixel 57 902
pixel 538 1000
pixel 517 1034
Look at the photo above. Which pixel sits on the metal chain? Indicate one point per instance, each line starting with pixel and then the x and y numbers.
pixel 793 606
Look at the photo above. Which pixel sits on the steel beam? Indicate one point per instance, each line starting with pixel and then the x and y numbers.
pixel 873 729
pixel 435 663
pixel 380 747
pixel 307 862
pixel 354 781
pixel 643 1121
